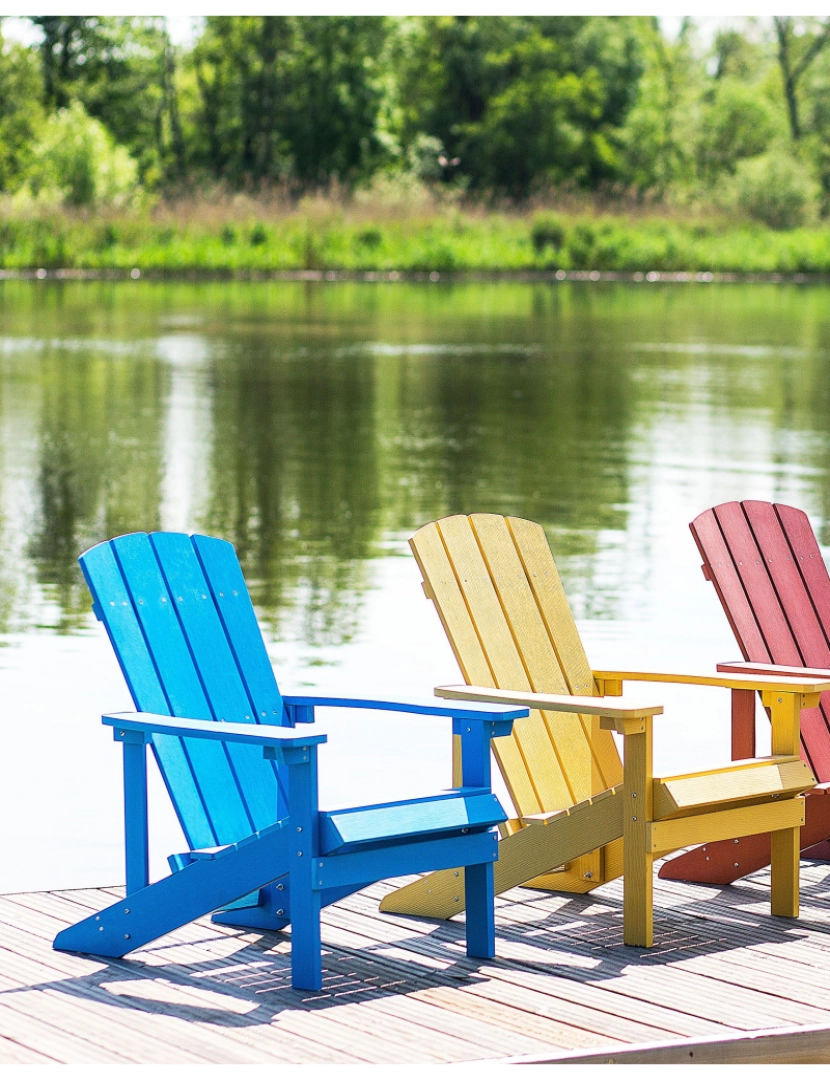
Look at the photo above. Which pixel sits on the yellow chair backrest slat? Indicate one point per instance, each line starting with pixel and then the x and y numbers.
pixel 500 600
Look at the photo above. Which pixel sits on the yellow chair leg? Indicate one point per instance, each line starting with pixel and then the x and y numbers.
pixel 638 878
pixel 638 903
pixel 785 713
pixel 786 853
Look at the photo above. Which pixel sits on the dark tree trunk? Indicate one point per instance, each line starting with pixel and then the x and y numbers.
pixel 791 71
pixel 783 31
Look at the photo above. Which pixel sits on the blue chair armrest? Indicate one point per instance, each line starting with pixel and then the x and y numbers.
pixel 140 727
pixel 501 719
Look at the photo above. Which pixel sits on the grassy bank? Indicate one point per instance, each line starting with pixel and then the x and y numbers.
pixel 323 236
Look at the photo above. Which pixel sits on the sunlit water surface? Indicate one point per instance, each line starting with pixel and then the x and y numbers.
pixel 317 426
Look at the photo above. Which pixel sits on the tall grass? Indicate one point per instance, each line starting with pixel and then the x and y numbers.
pixel 400 231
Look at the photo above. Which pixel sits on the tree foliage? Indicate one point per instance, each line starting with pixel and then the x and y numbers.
pixel 489 107
pixel 20 111
pixel 523 101
pixel 122 70
pixel 293 98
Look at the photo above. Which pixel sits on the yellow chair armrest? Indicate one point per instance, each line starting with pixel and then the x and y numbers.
pixel 802 684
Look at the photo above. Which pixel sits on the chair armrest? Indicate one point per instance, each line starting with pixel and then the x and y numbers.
pixel 742 667
pixel 629 709
pixel 502 719
pixel 148 724
pixel 802 684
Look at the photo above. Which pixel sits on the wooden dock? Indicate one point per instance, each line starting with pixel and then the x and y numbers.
pixel 725 982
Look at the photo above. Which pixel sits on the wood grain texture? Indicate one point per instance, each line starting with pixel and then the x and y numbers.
pixel 638 812
pixel 673 833
pixel 790 684
pixel 743 724
pixel 721 569
pixel 565 733
pixel 750 781
pixel 779 1046
pixel 786 561
pixel 543 578
pixel 627 708
pixel 725 861
pixel 500 600
pixel 542 765
pixel 400 990
pixel 776 595
pixel 456 618
pixel 494 579
pixel 522 856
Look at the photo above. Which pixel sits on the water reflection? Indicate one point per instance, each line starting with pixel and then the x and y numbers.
pixel 316 425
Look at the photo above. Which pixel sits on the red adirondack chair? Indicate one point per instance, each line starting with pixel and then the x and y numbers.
pixel 765 564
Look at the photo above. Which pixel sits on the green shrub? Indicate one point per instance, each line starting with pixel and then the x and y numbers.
pixel 776 189
pixel 581 244
pixel 77 162
pixel 108 237
pixel 548 230
pixel 738 123
pixel 370 238
pixel 258 235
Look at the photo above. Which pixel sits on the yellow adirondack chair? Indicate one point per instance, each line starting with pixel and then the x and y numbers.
pixel 584 818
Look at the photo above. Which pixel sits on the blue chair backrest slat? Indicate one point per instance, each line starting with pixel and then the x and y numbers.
pixel 171 655
pixel 230 593
pixel 216 666
pixel 114 603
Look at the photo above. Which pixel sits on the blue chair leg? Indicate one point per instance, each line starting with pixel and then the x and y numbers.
pixel 481 919
pixel 306 965
pixel 303 824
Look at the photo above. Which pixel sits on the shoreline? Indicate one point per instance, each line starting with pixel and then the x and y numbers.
pixel 408 276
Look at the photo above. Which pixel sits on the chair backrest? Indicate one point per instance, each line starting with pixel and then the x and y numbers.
pixel 498 594
pixel 765 564
pixel 180 619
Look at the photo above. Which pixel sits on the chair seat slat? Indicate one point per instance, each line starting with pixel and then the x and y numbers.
pixel 343 830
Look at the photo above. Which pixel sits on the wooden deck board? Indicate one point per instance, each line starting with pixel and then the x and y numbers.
pixel 396 990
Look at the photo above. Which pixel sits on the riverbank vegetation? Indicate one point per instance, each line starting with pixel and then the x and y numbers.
pixel 416 143
pixel 322 234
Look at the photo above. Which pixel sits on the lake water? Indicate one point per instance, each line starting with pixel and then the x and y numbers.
pixel 317 425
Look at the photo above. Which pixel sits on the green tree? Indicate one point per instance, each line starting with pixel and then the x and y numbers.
pixel 76 161
pixel 523 101
pixel 291 98
pixel 737 122
pixel 123 71
pixel 20 111
pixel 799 43
pixel 660 131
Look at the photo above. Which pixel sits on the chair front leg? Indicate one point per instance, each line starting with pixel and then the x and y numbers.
pixel 303 834
pixel 638 815
pixel 474 739
pixel 136 844
pixel 785 713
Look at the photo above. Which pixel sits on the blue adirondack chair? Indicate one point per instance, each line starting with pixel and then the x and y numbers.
pixel 241 777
